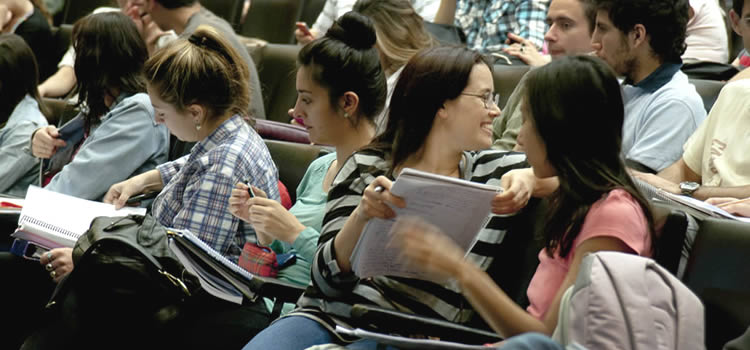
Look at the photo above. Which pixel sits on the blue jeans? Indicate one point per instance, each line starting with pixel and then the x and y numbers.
pixel 297 332
pixel 531 341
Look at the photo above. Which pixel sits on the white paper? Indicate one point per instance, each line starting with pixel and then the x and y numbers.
pixel 408 343
pixel 459 208
pixel 60 219
pixel 702 206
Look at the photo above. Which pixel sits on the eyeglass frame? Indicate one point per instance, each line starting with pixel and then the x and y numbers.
pixel 491 97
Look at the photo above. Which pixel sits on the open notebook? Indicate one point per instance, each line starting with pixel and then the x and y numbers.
pixel 56 220
pixel 460 208
pixel 696 206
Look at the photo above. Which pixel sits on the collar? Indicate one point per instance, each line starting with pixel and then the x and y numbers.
pixel 118 100
pixel 226 130
pixel 658 78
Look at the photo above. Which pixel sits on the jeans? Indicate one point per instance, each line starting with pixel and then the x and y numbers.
pixel 297 333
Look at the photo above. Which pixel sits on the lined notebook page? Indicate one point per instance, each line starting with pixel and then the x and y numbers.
pixel 61 218
pixel 460 208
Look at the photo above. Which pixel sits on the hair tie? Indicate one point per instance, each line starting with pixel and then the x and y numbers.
pixel 200 41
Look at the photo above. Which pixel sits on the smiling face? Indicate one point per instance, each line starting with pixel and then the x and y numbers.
pixel 322 120
pixel 180 124
pixel 568 32
pixel 468 121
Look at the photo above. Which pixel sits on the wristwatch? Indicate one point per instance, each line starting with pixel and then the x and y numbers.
pixel 689 187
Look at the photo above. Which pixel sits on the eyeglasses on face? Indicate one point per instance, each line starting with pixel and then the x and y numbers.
pixel 488 98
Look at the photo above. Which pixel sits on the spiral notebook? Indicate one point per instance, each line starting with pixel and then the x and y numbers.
pixel 218 276
pixel 56 220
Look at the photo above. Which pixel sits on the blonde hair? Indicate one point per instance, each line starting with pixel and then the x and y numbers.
pixel 400 30
pixel 203 69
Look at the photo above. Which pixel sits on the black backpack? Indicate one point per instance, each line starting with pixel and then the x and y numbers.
pixel 127 288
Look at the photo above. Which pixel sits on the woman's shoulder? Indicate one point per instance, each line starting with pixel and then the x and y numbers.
pixel 322 163
pixel 620 215
pixel 135 105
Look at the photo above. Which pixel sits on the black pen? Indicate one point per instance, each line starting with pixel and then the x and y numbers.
pixel 141 197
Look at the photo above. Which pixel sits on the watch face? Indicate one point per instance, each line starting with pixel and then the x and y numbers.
pixel 689 186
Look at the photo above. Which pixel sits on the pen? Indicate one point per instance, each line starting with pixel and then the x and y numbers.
pixel 9 205
pixel 379 189
pixel 141 197
pixel 725 204
pixel 250 189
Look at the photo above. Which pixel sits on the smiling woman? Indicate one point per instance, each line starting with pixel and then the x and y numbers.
pixel 435 120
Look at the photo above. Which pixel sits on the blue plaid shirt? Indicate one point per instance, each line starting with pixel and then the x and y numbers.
pixel 487 22
pixel 198 186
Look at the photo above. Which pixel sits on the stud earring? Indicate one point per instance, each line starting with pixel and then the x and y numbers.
pixel 346 115
pixel 197 126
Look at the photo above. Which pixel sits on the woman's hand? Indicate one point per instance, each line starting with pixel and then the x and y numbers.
pixel 518 185
pixel 238 201
pixel 59 262
pixel 426 248
pixel 272 221
pixel 374 199
pixel 120 192
pixel 45 142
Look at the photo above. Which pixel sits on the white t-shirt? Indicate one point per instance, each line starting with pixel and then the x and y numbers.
pixel 69 58
pixel 718 150
pixel 334 9
pixel 706 33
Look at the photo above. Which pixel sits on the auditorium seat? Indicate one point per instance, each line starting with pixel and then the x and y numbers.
pixel 717 271
pixel 230 10
pixel 75 9
pixel 506 78
pixel 292 160
pixel 277 66
pixel 311 10
pixel 271 20
pixel 708 90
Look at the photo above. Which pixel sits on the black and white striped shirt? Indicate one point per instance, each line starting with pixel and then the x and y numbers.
pixel 331 295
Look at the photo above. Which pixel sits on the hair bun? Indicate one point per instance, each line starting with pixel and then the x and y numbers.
pixel 354 30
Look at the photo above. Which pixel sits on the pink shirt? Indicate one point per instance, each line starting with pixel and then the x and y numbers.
pixel 616 215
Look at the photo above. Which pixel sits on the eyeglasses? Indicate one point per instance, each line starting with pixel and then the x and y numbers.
pixel 488 98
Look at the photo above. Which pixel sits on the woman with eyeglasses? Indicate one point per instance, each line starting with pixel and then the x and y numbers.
pixel 440 114
pixel 595 208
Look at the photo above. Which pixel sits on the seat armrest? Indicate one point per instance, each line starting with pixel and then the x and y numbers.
pixel 273 130
pixel 277 289
pixel 391 321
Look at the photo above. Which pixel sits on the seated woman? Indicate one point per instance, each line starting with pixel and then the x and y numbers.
pixel 400 34
pixel 442 106
pixel 596 207
pixel 20 115
pixel 341 88
pixel 121 137
pixel 30 20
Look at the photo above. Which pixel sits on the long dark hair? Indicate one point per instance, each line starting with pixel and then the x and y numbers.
pixel 19 72
pixel 345 59
pixel 109 55
pixel 577 108
pixel 430 78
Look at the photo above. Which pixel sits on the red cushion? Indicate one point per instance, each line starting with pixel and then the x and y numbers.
pixel 286 200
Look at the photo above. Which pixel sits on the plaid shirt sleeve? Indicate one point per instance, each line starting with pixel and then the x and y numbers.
pixel 168 170
pixel 530 16
pixel 205 210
